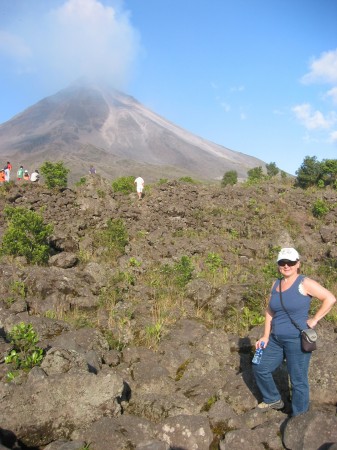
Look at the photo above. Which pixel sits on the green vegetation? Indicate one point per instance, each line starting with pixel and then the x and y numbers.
pixel 209 403
pixel 229 178
pixel 320 208
pixel 255 175
pixel 82 181
pixel 215 270
pixel 85 447
pixel 17 291
pixel 26 235
pixel 272 170
pixel 154 333
pixel 114 238
pixel 133 262
pixel 55 174
pixel 181 272
pixel 25 353
pixel 188 180
pixel 315 173
pixel 125 185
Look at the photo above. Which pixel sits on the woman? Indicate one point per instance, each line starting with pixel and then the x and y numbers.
pixel 282 339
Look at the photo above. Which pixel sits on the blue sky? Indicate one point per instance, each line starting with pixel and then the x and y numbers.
pixel 256 76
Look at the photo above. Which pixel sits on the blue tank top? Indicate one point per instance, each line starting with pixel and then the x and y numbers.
pixel 297 305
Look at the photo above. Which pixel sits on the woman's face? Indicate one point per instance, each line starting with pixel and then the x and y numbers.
pixel 287 267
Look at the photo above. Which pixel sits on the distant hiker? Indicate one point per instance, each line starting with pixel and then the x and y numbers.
pixel 92 170
pixel 35 176
pixel 26 176
pixel 7 173
pixel 19 173
pixel 2 176
pixel 140 186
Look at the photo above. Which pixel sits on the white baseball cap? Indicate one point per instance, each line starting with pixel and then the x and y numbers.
pixel 288 253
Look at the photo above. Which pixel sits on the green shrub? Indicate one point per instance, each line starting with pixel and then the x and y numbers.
pixel 229 178
pixel 26 235
pixel 24 354
pixel 17 290
pixel 320 208
pixel 55 174
pixel 125 185
pixel 255 175
pixel 81 181
pixel 180 273
pixel 187 180
pixel 183 271
pixel 115 237
pixel 213 262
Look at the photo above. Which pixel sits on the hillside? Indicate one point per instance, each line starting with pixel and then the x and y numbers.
pixel 147 313
pixel 88 124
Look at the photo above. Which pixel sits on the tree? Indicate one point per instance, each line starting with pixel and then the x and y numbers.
pixel 55 174
pixel 26 235
pixel 230 177
pixel 309 173
pixel 255 174
pixel 329 172
pixel 272 169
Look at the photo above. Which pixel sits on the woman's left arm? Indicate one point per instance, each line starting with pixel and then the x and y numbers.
pixel 326 297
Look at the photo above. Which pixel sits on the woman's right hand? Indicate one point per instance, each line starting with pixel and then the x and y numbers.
pixel 264 339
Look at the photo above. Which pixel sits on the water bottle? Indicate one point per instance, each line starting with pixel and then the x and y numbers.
pixel 258 354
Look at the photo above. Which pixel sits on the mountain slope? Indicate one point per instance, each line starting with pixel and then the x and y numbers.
pixel 87 123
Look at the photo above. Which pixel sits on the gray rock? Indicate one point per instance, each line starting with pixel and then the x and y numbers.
pixel 187 432
pixel 60 360
pixel 120 433
pixel 200 291
pixel 310 431
pixel 82 341
pixel 65 260
pixel 51 408
pixel 65 445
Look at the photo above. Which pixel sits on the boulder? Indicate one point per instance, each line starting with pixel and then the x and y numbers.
pixel 52 407
pixel 186 432
pixel 310 431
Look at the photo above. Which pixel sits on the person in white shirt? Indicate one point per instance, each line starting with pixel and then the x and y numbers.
pixel 7 173
pixel 35 176
pixel 140 186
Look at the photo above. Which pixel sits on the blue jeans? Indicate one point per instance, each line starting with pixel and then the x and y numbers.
pixel 278 348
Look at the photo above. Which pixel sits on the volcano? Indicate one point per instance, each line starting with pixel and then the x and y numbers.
pixel 89 124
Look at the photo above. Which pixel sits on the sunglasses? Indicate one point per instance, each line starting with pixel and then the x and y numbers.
pixel 284 262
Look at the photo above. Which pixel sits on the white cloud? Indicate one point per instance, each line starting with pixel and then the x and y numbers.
pixel 323 69
pixel 78 38
pixel 14 46
pixel 333 94
pixel 314 120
